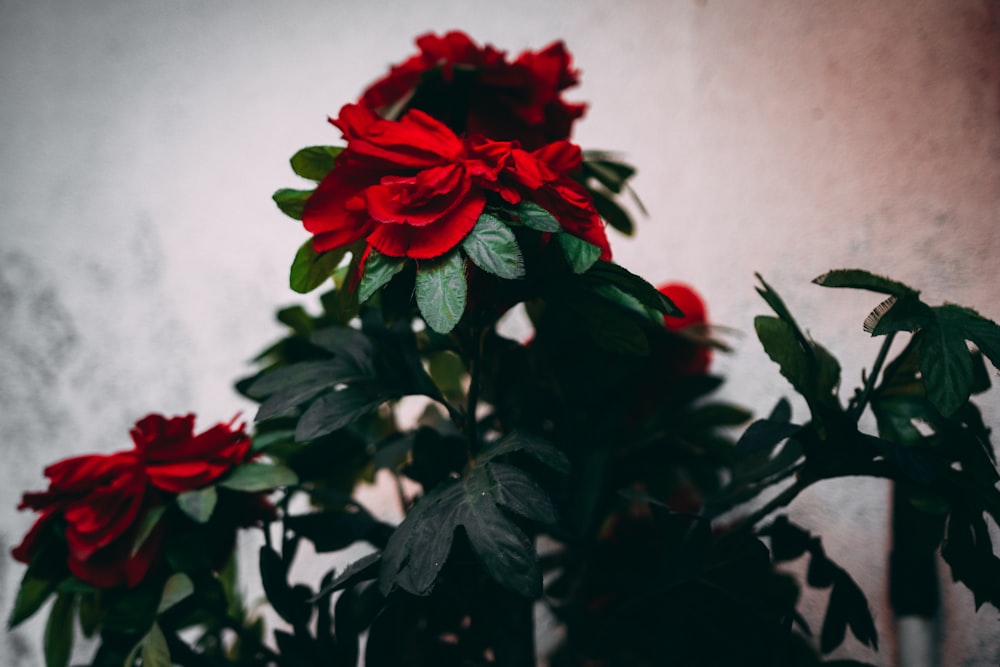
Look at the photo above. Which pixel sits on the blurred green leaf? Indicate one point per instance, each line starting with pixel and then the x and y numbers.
pixel 31 595
pixel 146 526
pixel 292 202
pixel 198 503
pixel 253 477
pixel 177 587
pixel 311 269
pixel 315 162
pixel 58 642
pixel 155 652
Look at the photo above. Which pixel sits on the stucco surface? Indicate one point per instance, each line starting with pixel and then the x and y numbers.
pixel 141 258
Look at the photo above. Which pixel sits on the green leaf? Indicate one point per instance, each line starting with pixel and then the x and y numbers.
pixel 198 503
pixel 973 326
pixel 315 162
pixel 535 217
pixel 609 210
pixel 337 409
pixel 612 274
pixel 146 526
pixel 580 254
pixel 946 366
pixel 418 550
pixel 253 477
pixel 31 595
pixel 291 604
pixel 263 441
pixel 311 269
pixel 177 587
pixel 292 202
pixel 441 292
pixel 379 270
pixel 294 385
pixel 492 247
pixel 860 279
pixel 813 371
pixel 904 313
pixel 155 652
pixel 520 441
pixel 611 174
pixel 58 643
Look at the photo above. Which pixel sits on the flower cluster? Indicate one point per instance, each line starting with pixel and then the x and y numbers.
pixel 413 188
pixel 105 502
pixel 476 90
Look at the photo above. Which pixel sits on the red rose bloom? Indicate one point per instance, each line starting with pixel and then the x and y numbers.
pixel 103 498
pixel 413 188
pixel 696 358
pixel 474 89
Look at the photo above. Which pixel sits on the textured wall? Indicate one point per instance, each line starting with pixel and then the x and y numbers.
pixel 141 258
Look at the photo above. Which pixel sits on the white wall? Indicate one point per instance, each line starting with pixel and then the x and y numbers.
pixel 141 258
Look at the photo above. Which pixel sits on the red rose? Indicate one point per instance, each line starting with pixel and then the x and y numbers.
pixel 474 89
pixel 696 358
pixel 103 498
pixel 413 188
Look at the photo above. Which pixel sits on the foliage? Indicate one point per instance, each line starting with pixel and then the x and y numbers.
pixel 588 472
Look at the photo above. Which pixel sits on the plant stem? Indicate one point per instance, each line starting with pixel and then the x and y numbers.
pixel 473 399
pixel 783 499
pixel 858 408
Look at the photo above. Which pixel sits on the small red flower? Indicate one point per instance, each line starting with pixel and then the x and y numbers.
pixel 102 499
pixel 475 90
pixel 696 358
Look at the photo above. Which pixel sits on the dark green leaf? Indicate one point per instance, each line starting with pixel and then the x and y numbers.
pixel 968 550
pixel 973 326
pixel 609 210
pixel 580 254
pixel 199 503
pixel 516 491
pixel 337 409
pixel 379 270
pixel 860 279
pixel 507 555
pixel 419 547
pixel 612 175
pixel 612 274
pixel 292 202
pixel 336 530
pixel 178 587
pixel 58 643
pixel 813 371
pixel 520 441
pixel 765 435
pixel 311 269
pixel 788 541
pixel 946 366
pixel 441 292
pixel 906 313
pixel 295 384
pixel 315 162
pixel 255 476
pixel 262 441
pixel 31 595
pixel 289 603
pixel 535 217
pixel 363 569
pixel 847 607
pixel 492 247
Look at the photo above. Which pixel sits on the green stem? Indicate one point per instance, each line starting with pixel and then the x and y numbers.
pixel 471 435
pixel 858 408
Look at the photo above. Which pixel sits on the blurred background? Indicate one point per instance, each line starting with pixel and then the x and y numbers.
pixel 141 258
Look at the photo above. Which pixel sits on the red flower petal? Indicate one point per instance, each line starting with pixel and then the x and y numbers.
pixel 433 239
